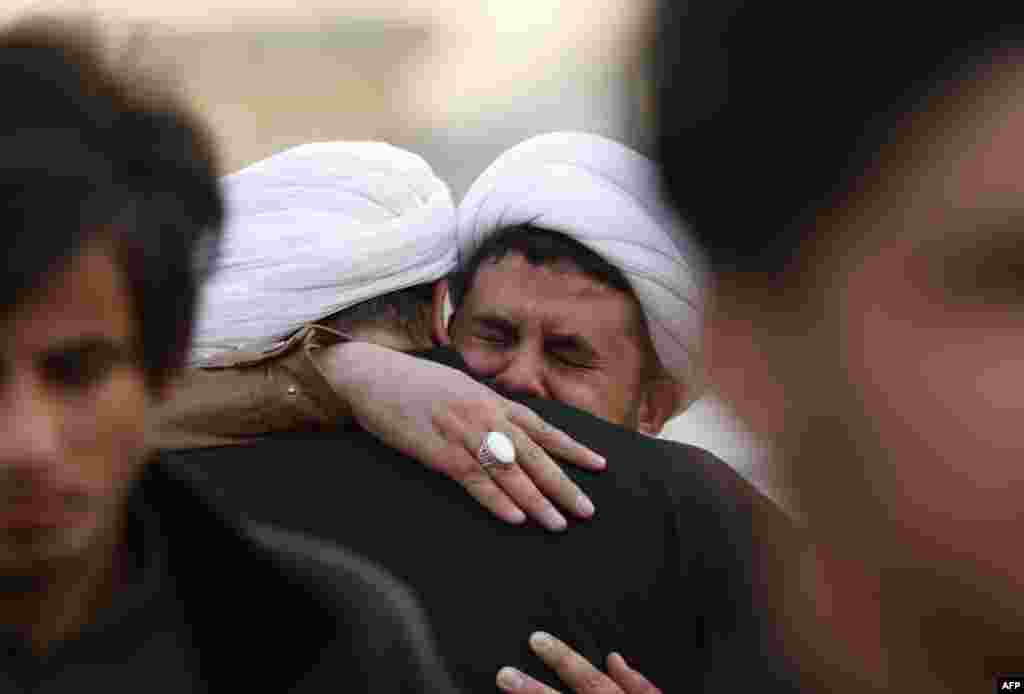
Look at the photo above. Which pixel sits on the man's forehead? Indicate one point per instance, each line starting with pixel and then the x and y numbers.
pixel 558 298
pixel 514 270
pixel 517 284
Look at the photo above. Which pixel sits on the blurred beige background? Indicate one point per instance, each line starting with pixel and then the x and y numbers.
pixel 456 81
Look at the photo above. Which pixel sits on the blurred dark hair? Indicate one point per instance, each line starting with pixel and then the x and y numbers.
pixel 539 247
pixel 96 150
pixel 402 308
pixel 769 112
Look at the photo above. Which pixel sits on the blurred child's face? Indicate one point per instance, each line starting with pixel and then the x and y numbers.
pixel 911 443
pixel 73 401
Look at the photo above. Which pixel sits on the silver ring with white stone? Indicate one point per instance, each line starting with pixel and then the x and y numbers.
pixel 496 449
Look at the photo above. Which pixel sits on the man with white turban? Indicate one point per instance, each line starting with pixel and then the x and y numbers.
pixel 334 241
pixel 572 270
pixel 314 230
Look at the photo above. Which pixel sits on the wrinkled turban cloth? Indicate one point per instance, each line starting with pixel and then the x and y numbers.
pixel 316 229
pixel 607 197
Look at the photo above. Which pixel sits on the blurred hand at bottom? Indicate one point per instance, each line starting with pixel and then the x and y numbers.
pixel 575 671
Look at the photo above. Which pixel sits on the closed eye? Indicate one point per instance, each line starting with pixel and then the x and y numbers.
pixel 574 363
pixel 492 339
pixel 573 351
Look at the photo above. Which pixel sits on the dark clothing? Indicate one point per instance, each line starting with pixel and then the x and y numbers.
pixel 216 603
pixel 665 573
pixel 143 631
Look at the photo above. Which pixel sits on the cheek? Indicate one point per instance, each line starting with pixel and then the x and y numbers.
pixel 105 433
pixel 482 362
pixel 943 391
pixel 952 406
pixel 977 387
pixel 623 388
pixel 589 395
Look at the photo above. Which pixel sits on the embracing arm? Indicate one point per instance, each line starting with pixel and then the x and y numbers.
pixel 244 396
pixel 433 413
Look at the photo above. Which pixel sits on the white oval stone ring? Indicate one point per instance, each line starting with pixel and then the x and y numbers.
pixel 496 449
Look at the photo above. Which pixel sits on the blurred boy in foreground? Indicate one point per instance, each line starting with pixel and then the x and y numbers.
pixel 866 315
pixel 115 573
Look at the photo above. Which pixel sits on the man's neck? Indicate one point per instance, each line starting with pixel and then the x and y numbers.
pixel 395 339
pixel 58 603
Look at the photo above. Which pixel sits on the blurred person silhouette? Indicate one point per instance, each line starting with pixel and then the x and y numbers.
pixel 684 528
pixel 115 573
pixel 854 175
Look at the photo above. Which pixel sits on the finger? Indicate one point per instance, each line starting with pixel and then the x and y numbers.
pixel 553 439
pixel 631 681
pixel 571 667
pixel 510 478
pixel 524 493
pixel 457 463
pixel 491 496
pixel 549 477
pixel 511 680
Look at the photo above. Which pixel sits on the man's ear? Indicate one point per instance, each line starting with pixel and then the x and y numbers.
pixel 660 401
pixel 739 365
pixel 440 313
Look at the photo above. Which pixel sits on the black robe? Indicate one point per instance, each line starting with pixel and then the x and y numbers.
pixel 665 573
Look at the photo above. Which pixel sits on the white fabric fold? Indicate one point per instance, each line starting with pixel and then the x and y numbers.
pixel 316 229
pixel 607 197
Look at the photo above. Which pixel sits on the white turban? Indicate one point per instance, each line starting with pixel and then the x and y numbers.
pixel 316 229
pixel 606 196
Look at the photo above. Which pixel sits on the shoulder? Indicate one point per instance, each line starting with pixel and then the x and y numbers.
pixel 388 628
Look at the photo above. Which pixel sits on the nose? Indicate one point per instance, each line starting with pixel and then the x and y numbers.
pixel 523 374
pixel 29 430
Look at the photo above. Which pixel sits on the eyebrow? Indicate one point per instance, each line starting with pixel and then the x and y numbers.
pixel 496 322
pixel 116 351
